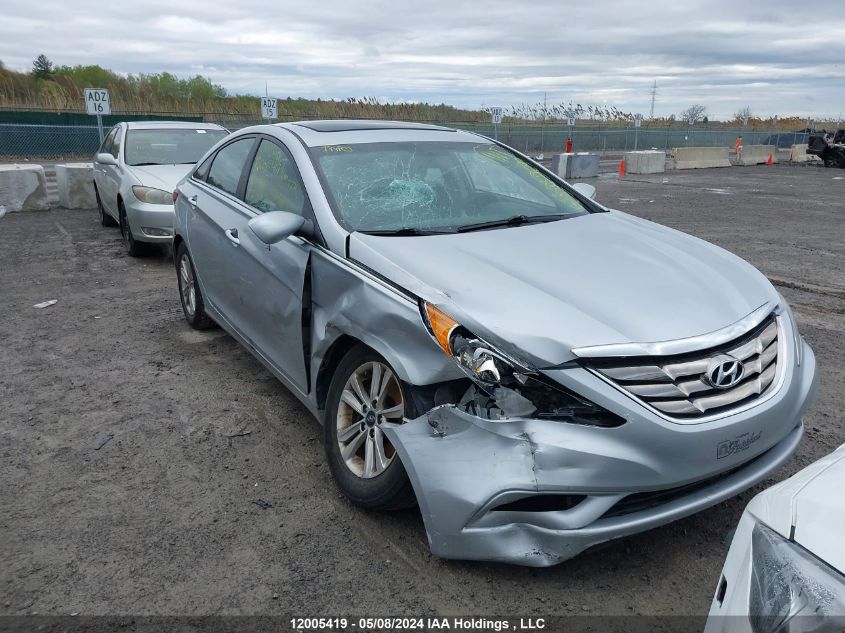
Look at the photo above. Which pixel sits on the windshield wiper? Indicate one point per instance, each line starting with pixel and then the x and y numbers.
pixel 515 220
pixel 405 230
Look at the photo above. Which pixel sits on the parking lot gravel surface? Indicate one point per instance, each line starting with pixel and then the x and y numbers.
pixel 151 469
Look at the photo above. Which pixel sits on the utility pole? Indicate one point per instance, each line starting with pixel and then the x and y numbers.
pixel 653 96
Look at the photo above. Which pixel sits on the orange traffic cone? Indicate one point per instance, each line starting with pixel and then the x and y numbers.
pixel 770 161
pixel 622 167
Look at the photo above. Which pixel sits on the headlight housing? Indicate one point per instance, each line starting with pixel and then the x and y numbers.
pixel 506 387
pixel 791 590
pixel 151 195
pixel 796 335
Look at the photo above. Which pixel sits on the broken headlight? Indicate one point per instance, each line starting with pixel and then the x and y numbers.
pixel 792 590
pixel 505 388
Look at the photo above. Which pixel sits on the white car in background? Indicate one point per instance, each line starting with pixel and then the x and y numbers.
pixel 785 570
pixel 136 170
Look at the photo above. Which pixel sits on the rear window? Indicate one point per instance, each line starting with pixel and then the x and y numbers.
pixel 169 146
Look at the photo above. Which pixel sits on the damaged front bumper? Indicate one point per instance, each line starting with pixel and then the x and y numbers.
pixel 537 492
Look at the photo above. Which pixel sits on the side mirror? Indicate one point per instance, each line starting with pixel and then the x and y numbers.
pixel 588 191
pixel 105 158
pixel 274 226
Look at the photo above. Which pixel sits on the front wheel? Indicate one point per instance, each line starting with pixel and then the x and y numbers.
pixel 134 248
pixel 365 395
pixel 105 218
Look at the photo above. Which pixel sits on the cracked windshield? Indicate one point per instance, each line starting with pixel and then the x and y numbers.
pixel 435 187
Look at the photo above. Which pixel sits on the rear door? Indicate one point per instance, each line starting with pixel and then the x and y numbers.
pixel 215 221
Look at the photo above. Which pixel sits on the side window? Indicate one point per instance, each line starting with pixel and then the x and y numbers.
pixel 225 172
pixel 115 148
pixel 201 172
pixel 273 183
pixel 105 148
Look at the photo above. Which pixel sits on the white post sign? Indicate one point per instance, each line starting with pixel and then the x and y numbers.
pixel 496 117
pixel 97 101
pixel 638 119
pixel 97 104
pixel 570 119
pixel 268 108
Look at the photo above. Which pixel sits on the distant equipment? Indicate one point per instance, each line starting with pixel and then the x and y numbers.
pixel 653 97
pixel 268 108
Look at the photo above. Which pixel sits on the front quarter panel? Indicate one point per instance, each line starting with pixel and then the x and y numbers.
pixel 348 301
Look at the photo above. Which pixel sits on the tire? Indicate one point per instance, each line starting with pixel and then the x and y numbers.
pixel 134 248
pixel 369 478
pixel 190 294
pixel 105 218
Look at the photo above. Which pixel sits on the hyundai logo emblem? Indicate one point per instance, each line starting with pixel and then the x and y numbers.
pixel 724 371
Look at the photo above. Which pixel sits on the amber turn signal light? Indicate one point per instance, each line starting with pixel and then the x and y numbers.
pixel 441 325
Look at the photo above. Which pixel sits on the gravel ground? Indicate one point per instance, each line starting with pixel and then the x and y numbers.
pixel 133 449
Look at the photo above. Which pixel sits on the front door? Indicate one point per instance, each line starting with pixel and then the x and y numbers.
pixel 257 288
pixel 104 175
pixel 271 297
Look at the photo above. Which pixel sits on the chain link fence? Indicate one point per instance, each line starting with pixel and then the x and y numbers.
pixel 19 141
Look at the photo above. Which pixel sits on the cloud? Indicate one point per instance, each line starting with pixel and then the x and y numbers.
pixel 721 53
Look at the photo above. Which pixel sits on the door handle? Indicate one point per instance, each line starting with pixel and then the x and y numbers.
pixel 232 234
pixel 193 201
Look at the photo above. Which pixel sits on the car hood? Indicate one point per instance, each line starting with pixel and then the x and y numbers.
pixel 164 177
pixel 540 290
pixel 810 503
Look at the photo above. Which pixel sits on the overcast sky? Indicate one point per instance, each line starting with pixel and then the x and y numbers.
pixel 724 54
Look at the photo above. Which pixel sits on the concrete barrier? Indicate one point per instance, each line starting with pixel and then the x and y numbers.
pixel 757 154
pixel 23 188
pixel 580 165
pixel 798 154
pixel 700 157
pixel 76 185
pixel 645 162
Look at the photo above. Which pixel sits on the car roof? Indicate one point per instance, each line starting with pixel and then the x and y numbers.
pixel 353 131
pixel 165 125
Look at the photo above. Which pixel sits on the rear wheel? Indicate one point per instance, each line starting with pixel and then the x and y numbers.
pixel 189 292
pixel 105 218
pixel 134 248
pixel 365 394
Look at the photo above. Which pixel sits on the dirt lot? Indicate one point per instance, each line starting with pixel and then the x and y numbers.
pixel 134 449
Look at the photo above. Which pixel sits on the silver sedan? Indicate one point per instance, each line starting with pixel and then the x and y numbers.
pixel 538 372
pixel 136 170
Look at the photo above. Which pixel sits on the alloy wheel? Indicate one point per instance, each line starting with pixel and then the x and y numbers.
pixel 187 286
pixel 370 398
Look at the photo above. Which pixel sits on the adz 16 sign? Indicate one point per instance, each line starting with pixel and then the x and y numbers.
pixel 97 101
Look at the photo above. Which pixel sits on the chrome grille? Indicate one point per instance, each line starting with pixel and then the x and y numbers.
pixel 677 386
